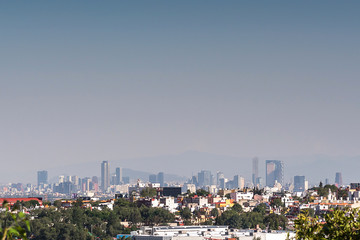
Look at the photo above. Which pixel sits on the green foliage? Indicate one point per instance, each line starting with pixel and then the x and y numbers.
pixel 13 225
pixel 237 208
pixel 244 220
pixel 30 204
pixel 82 223
pixel 260 208
pixel 214 212
pixel 185 213
pixel 202 192
pixel 148 192
pixel 277 203
pixel 199 192
pixel 57 203
pixel 276 222
pixel 339 224
pixel 323 191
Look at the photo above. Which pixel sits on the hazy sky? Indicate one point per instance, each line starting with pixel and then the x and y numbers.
pixel 105 80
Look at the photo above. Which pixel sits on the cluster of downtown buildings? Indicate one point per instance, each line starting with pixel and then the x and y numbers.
pixel 109 184
pixel 223 194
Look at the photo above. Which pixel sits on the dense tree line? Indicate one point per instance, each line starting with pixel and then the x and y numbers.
pixel 87 223
pixel 235 218
pixel 338 225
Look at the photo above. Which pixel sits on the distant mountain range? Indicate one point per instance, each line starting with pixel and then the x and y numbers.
pixel 179 167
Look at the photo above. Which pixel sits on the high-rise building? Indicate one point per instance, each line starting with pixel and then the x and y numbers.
pixel 118 175
pixel 274 172
pixel 126 180
pixel 160 178
pixel 105 176
pixel 152 178
pixel 338 179
pixel 299 184
pixel 222 183
pixel 255 170
pixel 204 178
pixel 219 175
pixel 238 182
pixel 42 177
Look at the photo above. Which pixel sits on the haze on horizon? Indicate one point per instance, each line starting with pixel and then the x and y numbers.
pixel 92 81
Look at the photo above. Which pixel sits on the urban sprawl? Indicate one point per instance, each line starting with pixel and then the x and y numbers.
pixel 206 206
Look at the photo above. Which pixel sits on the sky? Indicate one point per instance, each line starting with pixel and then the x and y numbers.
pixel 85 81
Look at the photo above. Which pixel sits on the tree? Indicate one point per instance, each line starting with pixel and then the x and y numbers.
pixel 11 224
pixel 185 213
pixel 275 222
pixel 148 192
pixel 260 208
pixel 339 224
pixel 214 212
pixel 202 192
pixel 237 208
pixel 277 203
pixel 30 204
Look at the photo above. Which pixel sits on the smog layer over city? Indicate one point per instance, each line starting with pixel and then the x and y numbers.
pixel 241 103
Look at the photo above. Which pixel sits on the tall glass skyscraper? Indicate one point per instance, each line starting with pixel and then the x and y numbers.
pixel 105 176
pixel 118 175
pixel 42 177
pixel 160 178
pixel 299 183
pixel 255 170
pixel 338 179
pixel 274 172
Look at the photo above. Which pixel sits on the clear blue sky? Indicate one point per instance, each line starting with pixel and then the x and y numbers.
pixel 104 80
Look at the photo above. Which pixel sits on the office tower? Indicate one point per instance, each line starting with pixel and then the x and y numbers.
pixel 61 178
pixel 152 178
pixel 327 181
pixel 75 180
pixel 222 183
pixel 219 175
pixel 299 183
pixel 238 182
pixel 126 180
pixel 95 183
pixel 194 181
pixel 204 178
pixel 260 182
pixel 274 172
pixel 255 170
pixel 118 175
pixel 105 176
pixel 160 178
pixel 42 177
pixel 338 179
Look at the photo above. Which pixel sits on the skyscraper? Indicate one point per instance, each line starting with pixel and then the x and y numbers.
pixel 204 178
pixel 105 176
pixel 42 177
pixel 255 170
pixel 160 178
pixel 152 178
pixel 238 182
pixel 118 175
pixel 219 175
pixel 338 179
pixel 299 183
pixel 274 172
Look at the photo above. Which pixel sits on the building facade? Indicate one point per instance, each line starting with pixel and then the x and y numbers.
pixel 274 172
pixel 42 177
pixel 105 176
